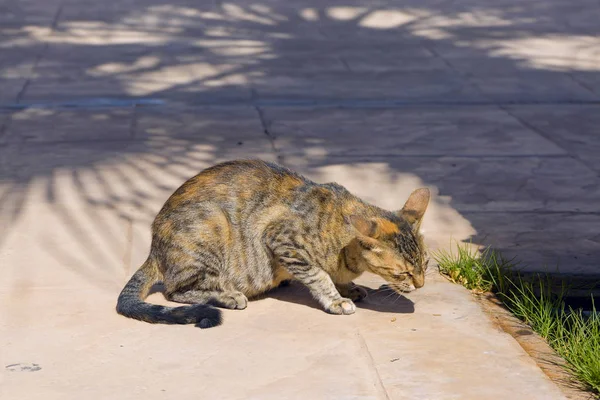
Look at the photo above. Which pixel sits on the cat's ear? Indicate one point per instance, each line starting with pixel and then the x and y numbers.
pixel 364 226
pixel 370 244
pixel 369 231
pixel 415 207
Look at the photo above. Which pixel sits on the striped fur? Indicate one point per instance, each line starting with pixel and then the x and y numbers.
pixel 240 228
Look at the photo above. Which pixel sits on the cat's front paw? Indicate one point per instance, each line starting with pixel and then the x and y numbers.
pixel 342 307
pixel 352 291
pixel 356 293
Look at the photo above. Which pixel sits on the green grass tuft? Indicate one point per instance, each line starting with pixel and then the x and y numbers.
pixel 477 271
pixel 575 336
pixel 577 340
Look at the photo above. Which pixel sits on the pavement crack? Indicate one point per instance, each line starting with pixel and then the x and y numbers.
pixel 40 55
pixel 57 16
pixel 543 134
pixel 4 125
pixel 583 85
pixel 367 353
pixel 266 124
pixel 346 65
pixel 466 76
pixel 133 122
pixel 27 81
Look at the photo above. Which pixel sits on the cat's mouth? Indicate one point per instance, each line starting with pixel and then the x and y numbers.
pixel 406 282
pixel 400 288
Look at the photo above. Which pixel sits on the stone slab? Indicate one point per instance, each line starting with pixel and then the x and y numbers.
pixel 232 126
pixel 554 243
pixel 445 86
pixel 56 125
pixel 28 12
pixel 18 63
pixel 531 87
pixel 390 60
pixel 155 87
pixel 57 90
pixel 223 126
pixel 588 79
pixel 574 128
pixel 413 130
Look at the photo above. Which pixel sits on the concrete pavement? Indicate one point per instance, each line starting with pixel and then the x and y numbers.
pixel 106 108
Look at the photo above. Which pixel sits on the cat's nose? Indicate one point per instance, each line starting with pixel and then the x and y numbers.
pixel 419 280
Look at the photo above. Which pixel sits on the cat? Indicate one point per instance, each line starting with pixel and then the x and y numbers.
pixel 241 228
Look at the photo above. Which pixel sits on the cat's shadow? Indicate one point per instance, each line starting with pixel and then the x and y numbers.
pixel 380 300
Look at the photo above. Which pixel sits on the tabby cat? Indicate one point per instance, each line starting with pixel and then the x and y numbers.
pixel 241 228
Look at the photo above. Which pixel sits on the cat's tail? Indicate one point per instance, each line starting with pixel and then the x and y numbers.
pixel 131 302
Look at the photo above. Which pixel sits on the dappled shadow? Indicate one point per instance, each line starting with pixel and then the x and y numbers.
pixel 437 51
pixel 140 95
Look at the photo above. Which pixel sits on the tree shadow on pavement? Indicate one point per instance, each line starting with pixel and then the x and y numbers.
pixel 106 109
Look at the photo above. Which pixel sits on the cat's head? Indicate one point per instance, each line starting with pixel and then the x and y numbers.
pixel 392 247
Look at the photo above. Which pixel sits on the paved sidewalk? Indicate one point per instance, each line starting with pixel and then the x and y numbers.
pixel 105 108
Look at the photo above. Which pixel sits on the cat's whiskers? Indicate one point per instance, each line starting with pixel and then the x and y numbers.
pixel 389 295
pixel 397 297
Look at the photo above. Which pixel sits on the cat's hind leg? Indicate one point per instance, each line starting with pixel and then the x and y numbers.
pixel 197 286
pixel 225 299
pixel 196 279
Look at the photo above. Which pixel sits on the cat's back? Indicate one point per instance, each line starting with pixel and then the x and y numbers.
pixel 239 184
